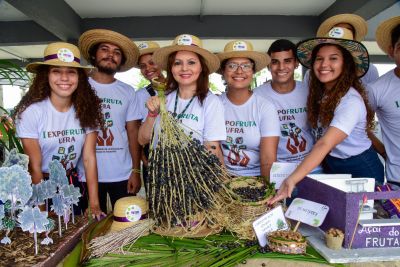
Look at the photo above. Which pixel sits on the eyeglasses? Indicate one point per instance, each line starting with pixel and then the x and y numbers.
pixel 246 67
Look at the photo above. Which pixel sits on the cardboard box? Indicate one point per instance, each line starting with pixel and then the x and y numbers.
pixel 344 208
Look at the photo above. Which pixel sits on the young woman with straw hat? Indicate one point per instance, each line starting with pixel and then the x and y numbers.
pixel 58 118
pixel 251 121
pixel 201 113
pixel 384 97
pixel 338 112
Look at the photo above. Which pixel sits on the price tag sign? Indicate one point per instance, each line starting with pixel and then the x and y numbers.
pixel 308 212
pixel 279 172
pixel 271 221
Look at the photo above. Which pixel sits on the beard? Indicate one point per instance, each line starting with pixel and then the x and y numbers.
pixel 110 70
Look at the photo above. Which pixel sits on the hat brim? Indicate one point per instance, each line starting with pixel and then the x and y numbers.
pixel 33 67
pixel 384 32
pixel 93 37
pixel 160 57
pixel 356 49
pixel 261 60
pixel 359 24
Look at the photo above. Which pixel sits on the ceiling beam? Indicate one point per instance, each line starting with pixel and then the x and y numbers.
pixel 364 8
pixel 55 16
pixel 218 26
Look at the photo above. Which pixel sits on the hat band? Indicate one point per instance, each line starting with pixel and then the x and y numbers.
pixel 55 56
pixel 124 219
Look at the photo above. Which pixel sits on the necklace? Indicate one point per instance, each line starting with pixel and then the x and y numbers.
pixel 175 115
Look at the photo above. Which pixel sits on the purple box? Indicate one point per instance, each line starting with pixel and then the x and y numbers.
pixel 343 212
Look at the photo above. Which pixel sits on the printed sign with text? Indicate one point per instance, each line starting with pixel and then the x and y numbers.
pixel 308 212
pixel 279 172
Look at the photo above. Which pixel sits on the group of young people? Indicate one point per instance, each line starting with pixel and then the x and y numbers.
pixel 97 125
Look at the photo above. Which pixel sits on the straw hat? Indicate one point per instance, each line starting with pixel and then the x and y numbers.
pixel 128 211
pixel 359 24
pixel 148 47
pixel 357 50
pixel 241 48
pixel 186 42
pixel 59 54
pixel 93 37
pixel 383 33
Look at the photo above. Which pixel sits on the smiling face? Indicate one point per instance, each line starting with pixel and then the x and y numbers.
pixel 148 68
pixel 63 81
pixel 186 68
pixel 282 67
pixel 108 58
pixel 328 65
pixel 238 79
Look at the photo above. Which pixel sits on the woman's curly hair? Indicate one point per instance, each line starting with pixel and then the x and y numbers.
pixel 85 100
pixel 321 103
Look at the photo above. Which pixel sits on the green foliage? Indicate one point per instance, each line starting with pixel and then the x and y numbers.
pixel 12 74
pixel 8 135
pixel 143 82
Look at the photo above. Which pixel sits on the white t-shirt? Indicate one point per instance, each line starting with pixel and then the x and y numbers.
pixel 245 125
pixel 142 96
pixel 384 97
pixel 119 106
pixel 296 139
pixel 350 116
pixel 59 134
pixel 203 122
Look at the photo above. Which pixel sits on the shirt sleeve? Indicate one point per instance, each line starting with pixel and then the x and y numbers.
pixel 133 113
pixel 28 125
pixel 269 120
pixel 372 98
pixel 348 113
pixel 214 119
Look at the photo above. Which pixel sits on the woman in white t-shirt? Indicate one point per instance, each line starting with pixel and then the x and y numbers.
pixel 251 121
pixel 338 112
pixel 188 66
pixel 57 120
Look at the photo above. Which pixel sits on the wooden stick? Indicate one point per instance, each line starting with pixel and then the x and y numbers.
pixel 297 226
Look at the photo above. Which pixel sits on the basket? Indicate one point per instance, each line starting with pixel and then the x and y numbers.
pixel 241 214
pixel 280 244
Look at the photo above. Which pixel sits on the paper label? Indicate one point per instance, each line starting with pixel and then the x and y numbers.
pixel 306 211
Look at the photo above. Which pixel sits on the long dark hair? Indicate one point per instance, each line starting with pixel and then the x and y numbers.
pixel 85 101
pixel 321 103
pixel 202 82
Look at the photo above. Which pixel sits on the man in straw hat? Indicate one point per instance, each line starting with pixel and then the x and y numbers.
pixel 290 99
pixel 118 152
pixel 149 70
pixel 384 97
pixel 347 26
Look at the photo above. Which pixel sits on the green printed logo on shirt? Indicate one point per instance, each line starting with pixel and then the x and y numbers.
pixel 238 126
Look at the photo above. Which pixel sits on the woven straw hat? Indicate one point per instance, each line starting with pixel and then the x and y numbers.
pixel 186 42
pixel 359 24
pixel 128 211
pixel 241 48
pixel 148 47
pixel 93 37
pixel 383 33
pixel 357 50
pixel 59 54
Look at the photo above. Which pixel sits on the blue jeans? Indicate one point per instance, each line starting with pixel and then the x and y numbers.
pixel 366 164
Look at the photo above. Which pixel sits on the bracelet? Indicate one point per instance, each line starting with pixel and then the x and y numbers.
pixel 152 115
pixel 136 171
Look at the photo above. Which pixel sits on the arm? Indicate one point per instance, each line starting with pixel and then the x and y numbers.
pixel 146 129
pixel 268 150
pixel 377 144
pixel 331 138
pixel 90 164
pixel 215 148
pixel 32 149
pixel 134 182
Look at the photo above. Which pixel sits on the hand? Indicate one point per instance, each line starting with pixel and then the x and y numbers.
pixel 95 212
pixel 284 191
pixel 134 183
pixel 153 105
